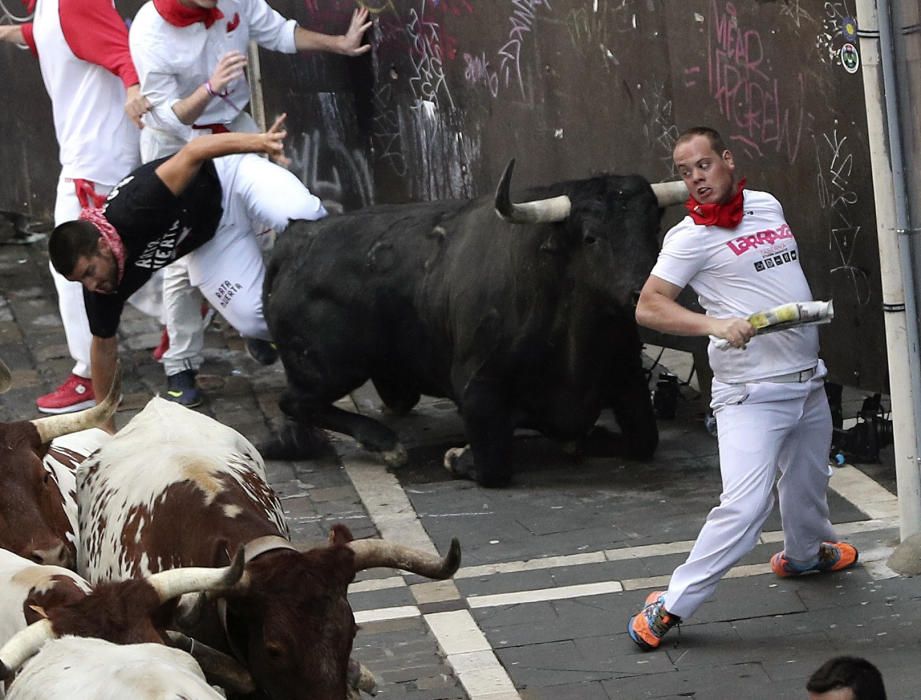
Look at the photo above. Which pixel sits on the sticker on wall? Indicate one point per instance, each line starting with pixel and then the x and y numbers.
pixel 849 29
pixel 850 59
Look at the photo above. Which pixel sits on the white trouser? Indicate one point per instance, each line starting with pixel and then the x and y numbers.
pixel 228 270
pixel 70 294
pixel 181 301
pixel 764 428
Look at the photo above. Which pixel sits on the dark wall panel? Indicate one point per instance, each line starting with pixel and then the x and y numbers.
pixel 454 88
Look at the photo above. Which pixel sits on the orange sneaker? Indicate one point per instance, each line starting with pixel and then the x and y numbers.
pixel 833 556
pixel 75 394
pixel 650 624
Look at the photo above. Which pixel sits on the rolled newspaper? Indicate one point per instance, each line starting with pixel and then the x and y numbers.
pixel 786 316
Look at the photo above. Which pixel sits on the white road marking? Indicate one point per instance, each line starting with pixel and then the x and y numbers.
pixel 478 670
pixel 460 638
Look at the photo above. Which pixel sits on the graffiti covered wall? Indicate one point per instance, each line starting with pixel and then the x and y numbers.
pixel 454 88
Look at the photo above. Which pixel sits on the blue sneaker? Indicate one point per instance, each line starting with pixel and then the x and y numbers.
pixel 182 389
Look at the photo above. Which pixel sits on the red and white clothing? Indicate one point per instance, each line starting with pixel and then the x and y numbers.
pixel 737 272
pixel 173 61
pixel 175 56
pixel 82 48
pixel 768 423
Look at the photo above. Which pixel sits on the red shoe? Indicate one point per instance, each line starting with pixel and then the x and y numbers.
pixel 162 347
pixel 75 394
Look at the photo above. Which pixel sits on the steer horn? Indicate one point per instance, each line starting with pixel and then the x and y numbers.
pixel 56 426
pixel 22 645
pixel 373 553
pixel 540 211
pixel 669 193
pixel 176 582
pixel 6 379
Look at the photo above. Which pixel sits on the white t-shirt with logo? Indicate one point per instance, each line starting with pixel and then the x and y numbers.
pixel 737 272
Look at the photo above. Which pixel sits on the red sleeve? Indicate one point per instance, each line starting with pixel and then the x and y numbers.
pixel 29 38
pixel 96 33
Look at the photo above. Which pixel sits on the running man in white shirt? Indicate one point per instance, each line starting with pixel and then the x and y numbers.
pixel 739 254
pixel 190 56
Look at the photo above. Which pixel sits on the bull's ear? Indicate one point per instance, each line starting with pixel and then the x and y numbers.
pixel 340 535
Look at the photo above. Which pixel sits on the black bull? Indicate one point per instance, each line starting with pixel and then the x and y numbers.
pixel 524 325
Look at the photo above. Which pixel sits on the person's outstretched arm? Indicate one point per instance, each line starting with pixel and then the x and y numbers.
pixel 179 170
pixel 348 44
pixel 103 363
pixel 12 33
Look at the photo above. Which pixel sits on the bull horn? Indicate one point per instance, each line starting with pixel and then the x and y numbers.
pixel 22 645
pixel 176 582
pixel 6 379
pixel 669 193
pixel 219 668
pixel 373 553
pixel 541 211
pixel 56 426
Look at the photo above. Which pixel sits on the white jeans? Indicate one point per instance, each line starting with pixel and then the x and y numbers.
pixel 70 294
pixel 764 429
pixel 228 270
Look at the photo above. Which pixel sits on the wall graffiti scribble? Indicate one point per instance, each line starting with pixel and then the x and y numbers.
pixel 749 96
pixel 834 165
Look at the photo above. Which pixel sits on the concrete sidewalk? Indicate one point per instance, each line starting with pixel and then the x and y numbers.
pixel 553 566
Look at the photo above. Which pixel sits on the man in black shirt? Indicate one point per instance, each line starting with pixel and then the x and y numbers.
pixel 195 203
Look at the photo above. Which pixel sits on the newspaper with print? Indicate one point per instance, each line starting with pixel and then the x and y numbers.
pixel 785 316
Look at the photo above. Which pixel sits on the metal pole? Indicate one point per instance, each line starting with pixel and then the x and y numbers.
pixel 895 252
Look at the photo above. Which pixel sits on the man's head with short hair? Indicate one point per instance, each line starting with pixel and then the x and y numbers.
pixel 78 252
pixel 716 141
pixel 846 678
pixel 706 165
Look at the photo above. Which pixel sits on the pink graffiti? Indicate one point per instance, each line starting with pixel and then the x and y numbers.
pixel 747 93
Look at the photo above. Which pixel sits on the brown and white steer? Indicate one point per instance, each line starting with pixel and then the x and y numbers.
pixel 176 488
pixel 37 509
pixel 39 603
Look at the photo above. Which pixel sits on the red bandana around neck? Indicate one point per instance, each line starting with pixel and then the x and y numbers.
pixel 727 215
pixel 177 14
pixel 108 233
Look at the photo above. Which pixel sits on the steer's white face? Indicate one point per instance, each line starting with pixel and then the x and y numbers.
pixel 168 482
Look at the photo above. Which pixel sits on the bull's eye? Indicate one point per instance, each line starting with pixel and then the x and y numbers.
pixel 47 478
pixel 274 650
pixel 589 239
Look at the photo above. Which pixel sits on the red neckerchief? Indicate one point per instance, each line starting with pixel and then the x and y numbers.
pixel 727 215
pixel 30 5
pixel 108 233
pixel 179 15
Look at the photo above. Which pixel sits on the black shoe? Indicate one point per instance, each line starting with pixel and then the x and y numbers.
pixel 262 351
pixel 182 389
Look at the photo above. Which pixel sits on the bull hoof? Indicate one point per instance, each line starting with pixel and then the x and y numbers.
pixel 294 441
pixel 459 462
pixel 395 458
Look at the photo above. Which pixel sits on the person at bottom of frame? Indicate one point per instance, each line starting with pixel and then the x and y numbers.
pixel 739 254
pixel 198 203
pixel 846 678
